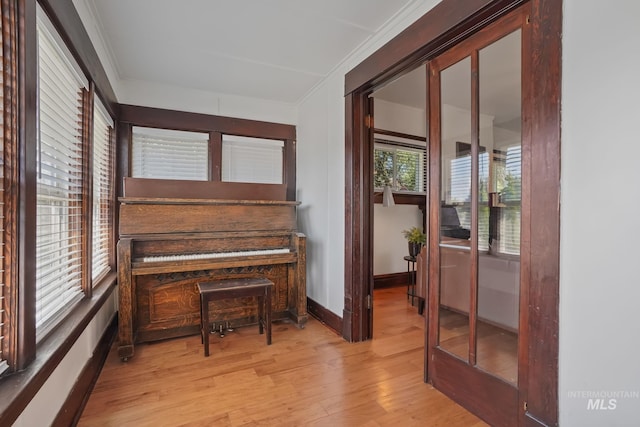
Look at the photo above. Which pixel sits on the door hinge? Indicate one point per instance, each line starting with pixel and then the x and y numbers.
pixel 368 121
pixel 369 302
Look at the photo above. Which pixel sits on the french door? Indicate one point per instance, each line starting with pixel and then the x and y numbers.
pixel 478 219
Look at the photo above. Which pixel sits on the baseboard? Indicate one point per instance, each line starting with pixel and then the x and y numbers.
pixel 72 408
pixel 329 318
pixel 391 280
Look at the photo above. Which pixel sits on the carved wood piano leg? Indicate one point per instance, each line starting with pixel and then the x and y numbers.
pixel 126 303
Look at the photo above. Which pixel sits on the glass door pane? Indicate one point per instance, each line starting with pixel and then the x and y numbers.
pixel 455 209
pixel 499 189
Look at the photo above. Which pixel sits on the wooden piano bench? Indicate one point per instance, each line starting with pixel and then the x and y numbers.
pixel 214 290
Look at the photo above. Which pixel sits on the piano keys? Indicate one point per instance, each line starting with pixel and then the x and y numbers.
pixel 168 245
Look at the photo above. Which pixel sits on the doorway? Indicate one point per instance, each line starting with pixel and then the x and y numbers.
pixel 440 29
pixel 399 169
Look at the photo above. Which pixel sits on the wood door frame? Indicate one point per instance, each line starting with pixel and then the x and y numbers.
pixel 440 28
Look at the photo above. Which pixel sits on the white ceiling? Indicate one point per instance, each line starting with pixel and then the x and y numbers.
pixel 500 74
pixel 277 49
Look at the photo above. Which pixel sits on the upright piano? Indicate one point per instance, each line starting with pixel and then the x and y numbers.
pixel 167 245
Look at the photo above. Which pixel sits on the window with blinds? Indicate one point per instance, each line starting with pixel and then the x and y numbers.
pixel 255 160
pixel 103 165
pixel 3 363
pixel 510 189
pixel 461 194
pixel 169 154
pixel 59 180
pixel 402 167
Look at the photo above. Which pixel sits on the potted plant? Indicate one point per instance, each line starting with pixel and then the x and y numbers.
pixel 416 239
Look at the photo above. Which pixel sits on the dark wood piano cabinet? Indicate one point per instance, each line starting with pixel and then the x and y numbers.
pixel 159 297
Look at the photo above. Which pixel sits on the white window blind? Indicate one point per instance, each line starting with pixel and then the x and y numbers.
pixel 254 160
pixel 59 192
pixel 511 195
pixel 3 363
pixel 461 194
pixel 102 191
pixel 169 154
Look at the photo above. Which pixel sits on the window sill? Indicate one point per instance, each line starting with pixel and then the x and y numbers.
pixel 17 389
pixel 418 199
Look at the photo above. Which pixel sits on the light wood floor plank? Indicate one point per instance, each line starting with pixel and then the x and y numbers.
pixel 308 377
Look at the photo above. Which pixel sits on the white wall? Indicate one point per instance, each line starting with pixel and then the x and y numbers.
pixel 600 202
pixel 46 404
pixel 400 118
pixel 321 139
pixel 389 245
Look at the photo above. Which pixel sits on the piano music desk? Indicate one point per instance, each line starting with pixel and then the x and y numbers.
pixel 235 288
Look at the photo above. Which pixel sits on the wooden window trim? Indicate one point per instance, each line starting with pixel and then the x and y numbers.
pixel 216 127
pixel 30 371
pixel 18 389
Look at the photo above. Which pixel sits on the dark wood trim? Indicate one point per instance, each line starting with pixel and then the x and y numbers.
pixel 25 262
pixel 392 280
pixel 113 205
pixel 289 168
pixel 422 264
pixel 131 115
pixel 86 236
pixel 475 143
pixel 182 189
pixel 358 219
pixel 327 317
pixel 215 156
pixel 444 25
pixel 351 281
pixel 543 293
pixel 480 391
pixel 399 134
pixel 11 177
pixel 17 390
pixel 65 18
pixel 403 199
pixel 71 410
pixel 198 122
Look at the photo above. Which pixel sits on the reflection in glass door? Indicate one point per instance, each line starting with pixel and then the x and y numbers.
pixel 499 195
pixel 476 192
pixel 455 212
pixel 480 187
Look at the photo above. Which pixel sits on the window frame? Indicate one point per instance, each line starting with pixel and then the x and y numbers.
pixel 76 232
pixel 30 365
pixel 216 126
pixel 395 146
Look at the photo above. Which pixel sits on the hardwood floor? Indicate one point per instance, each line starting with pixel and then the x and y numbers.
pixel 308 377
pixel 497 349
